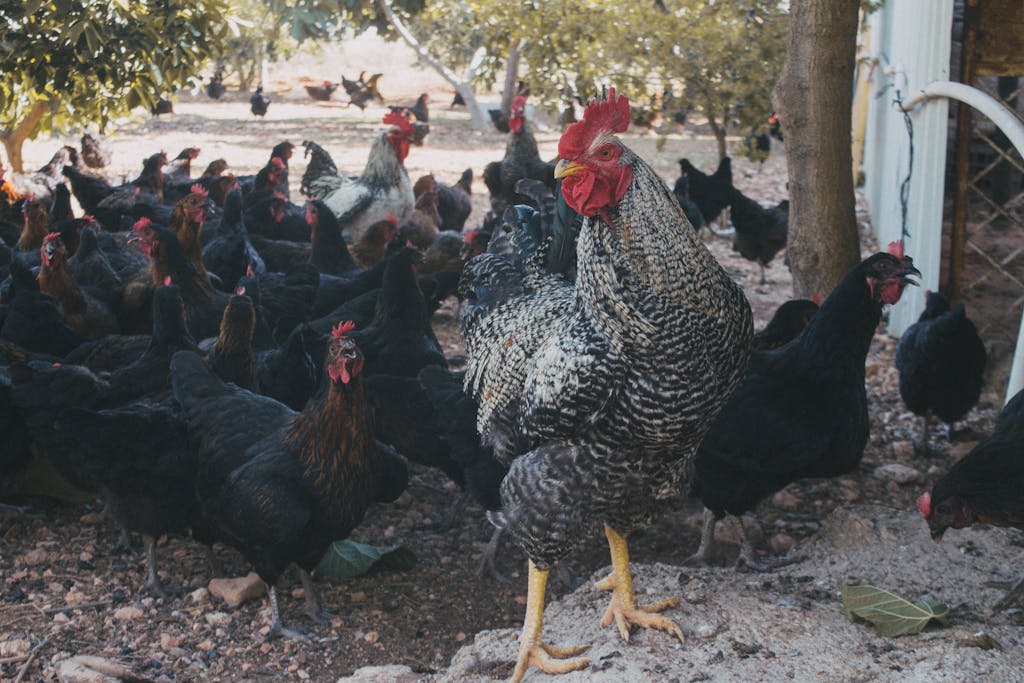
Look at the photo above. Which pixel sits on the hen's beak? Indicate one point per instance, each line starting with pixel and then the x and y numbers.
pixel 566 168
pixel 908 271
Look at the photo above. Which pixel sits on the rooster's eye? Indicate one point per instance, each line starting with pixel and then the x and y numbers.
pixel 605 153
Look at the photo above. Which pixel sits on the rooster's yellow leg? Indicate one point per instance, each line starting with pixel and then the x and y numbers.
pixel 623 610
pixel 533 652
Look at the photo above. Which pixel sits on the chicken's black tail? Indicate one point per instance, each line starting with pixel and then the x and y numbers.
pixel 192 381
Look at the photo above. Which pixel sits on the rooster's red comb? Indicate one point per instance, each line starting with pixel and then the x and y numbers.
pixel 896 249
pixel 240 291
pixel 609 115
pixel 52 237
pixel 342 329
pixel 817 299
pixel 248 271
pixel 142 224
pixel 167 281
pixel 88 218
pixel 392 219
pixel 394 118
pixel 276 161
pixel 518 103
pixel 199 190
pixel 924 504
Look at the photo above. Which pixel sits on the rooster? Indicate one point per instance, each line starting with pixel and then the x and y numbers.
pixel 597 394
pixel 300 480
pixel 384 188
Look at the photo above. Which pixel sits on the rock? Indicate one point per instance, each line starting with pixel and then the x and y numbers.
pixel 89 669
pixel 358 596
pixel 129 613
pixel 206 645
pixel 218 618
pixel 393 673
pixel 372 637
pixel 199 596
pixel 14 648
pixel 903 450
pixel 34 557
pixel 782 543
pixel 169 642
pixel 784 500
pixel 235 592
pixel 894 471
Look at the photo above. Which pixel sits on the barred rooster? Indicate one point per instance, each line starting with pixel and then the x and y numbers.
pixel 384 188
pixel 597 394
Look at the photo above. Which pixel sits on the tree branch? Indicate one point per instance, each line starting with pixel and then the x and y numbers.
pixel 13 139
pixel 464 88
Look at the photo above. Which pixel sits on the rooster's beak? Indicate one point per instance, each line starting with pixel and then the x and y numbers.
pixel 566 168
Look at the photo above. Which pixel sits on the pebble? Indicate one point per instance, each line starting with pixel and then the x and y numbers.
pixel 129 613
pixel 218 618
pixel 75 597
pixel 372 637
pixel 460 637
pixel 35 557
pixel 782 543
pixel 901 474
pixel 14 648
pixel 235 592
pixel 358 596
pixel 199 595
pixel 785 500
pixel 91 518
pixel 206 645
pixel 61 618
pixel 903 450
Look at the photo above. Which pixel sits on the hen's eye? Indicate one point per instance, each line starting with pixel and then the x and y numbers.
pixel 605 153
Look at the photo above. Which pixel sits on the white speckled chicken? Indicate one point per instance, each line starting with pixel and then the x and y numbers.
pixel 597 395
pixel 383 189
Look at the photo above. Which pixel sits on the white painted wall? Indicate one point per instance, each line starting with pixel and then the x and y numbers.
pixel 911 41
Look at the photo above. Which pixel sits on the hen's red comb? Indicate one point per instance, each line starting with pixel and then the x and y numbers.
pixel 248 271
pixel 392 219
pixel 342 329
pixel 142 224
pixel 609 115
pixel 518 103
pixel 52 237
pixel 924 504
pixel 817 299
pixel 167 280
pixel 240 291
pixel 394 118
pixel 199 190
pixel 88 218
pixel 470 236
pixel 896 249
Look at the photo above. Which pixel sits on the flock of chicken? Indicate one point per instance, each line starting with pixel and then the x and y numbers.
pixel 209 357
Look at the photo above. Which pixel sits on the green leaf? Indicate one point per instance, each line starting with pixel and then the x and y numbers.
pixel 890 614
pixel 348 559
pixel 40 479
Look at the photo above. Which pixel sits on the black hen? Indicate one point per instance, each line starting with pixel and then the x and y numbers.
pixel 800 410
pixel 259 103
pixel 786 324
pixel 760 233
pixel 941 360
pixel 709 192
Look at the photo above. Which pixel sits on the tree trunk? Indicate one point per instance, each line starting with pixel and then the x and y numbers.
pixel 14 138
pixel 511 78
pixel 464 87
pixel 814 100
pixel 719 132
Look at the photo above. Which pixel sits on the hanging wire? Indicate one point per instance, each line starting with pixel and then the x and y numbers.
pixel 905 185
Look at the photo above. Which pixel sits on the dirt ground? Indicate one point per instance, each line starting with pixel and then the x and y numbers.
pixel 63 590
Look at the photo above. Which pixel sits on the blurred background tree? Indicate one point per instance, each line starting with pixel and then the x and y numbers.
pixel 70 63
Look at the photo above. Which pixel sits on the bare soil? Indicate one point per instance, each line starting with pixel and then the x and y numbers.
pixel 61 584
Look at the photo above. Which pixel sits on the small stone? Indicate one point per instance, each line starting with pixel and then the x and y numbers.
pixel 75 597
pixel 168 643
pixel 298 593
pixel 302 674
pixel 234 592
pixel 785 500
pixel 460 637
pixel 34 557
pixel 91 518
pixel 391 673
pixel 372 637
pixel 199 596
pixel 389 532
pixel 903 450
pixel 782 543
pixel 894 471
pixel 218 618
pixel 14 648
pixel 61 618
pixel 85 556
pixel 520 599
pixel 358 596
pixel 706 631
pixel 129 613
pixel 206 645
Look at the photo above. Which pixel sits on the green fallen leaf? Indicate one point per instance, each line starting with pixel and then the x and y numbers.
pixel 40 479
pixel 890 614
pixel 348 559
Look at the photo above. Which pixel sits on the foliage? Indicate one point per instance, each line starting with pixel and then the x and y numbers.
pixel 725 55
pixel 92 60
pixel 347 559
pixel 890 614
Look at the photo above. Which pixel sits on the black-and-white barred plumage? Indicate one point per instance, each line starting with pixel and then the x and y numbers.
pixel 598 394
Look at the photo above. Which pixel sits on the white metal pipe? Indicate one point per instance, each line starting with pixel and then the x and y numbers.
pixel 1011 126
